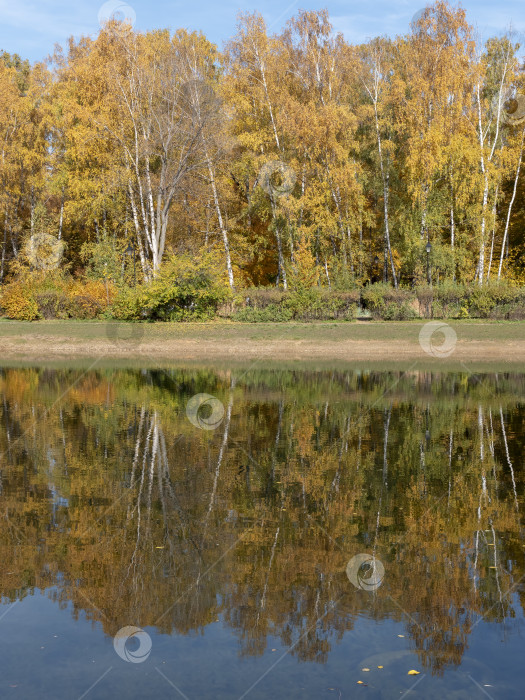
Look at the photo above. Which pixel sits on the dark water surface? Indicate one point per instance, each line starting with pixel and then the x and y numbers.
pixel 271 540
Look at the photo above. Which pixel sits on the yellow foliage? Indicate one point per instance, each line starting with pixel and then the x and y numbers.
pixel 102 293
pixel 305 272
pixel 34 296
pixel 296 158
pixel 18 303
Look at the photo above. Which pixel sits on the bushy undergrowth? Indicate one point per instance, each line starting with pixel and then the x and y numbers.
pixel 192 289
pixel 302 304
pixel 54 295
pixel 381 301
pixel 496 300
pixel 385 302
pixel 185 289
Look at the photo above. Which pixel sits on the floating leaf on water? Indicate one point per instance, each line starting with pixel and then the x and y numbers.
pixel 414 673
pixel 365 669
pixel 379 667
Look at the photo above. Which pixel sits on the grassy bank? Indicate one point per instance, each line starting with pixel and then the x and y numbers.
pixel 496 345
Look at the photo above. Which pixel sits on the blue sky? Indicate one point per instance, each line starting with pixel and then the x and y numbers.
pixel 31 28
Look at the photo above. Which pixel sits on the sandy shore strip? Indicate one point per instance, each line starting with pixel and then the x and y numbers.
pixel 443 343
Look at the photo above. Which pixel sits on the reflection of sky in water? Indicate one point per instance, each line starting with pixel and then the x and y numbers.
pixel 57 501
pixel 63 657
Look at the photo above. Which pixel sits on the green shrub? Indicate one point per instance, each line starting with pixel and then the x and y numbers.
pixel 185 289
pixel 301 304
pixel 322 304
pixel 345 305
pixel 450 295
pixel 127 304
pixel 398 312
pixel 425 298
pixel 482 301
pixel 270 313
pixel 443 301
pixel 450 300
pixel 386 302
pixel 304 303
pixel 516 312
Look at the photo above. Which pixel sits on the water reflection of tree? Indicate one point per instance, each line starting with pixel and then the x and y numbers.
pixel 137 517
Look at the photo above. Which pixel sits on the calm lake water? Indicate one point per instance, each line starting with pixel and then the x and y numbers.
pixel 264 534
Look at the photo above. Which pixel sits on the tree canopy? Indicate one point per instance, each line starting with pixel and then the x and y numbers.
pixel 289 156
